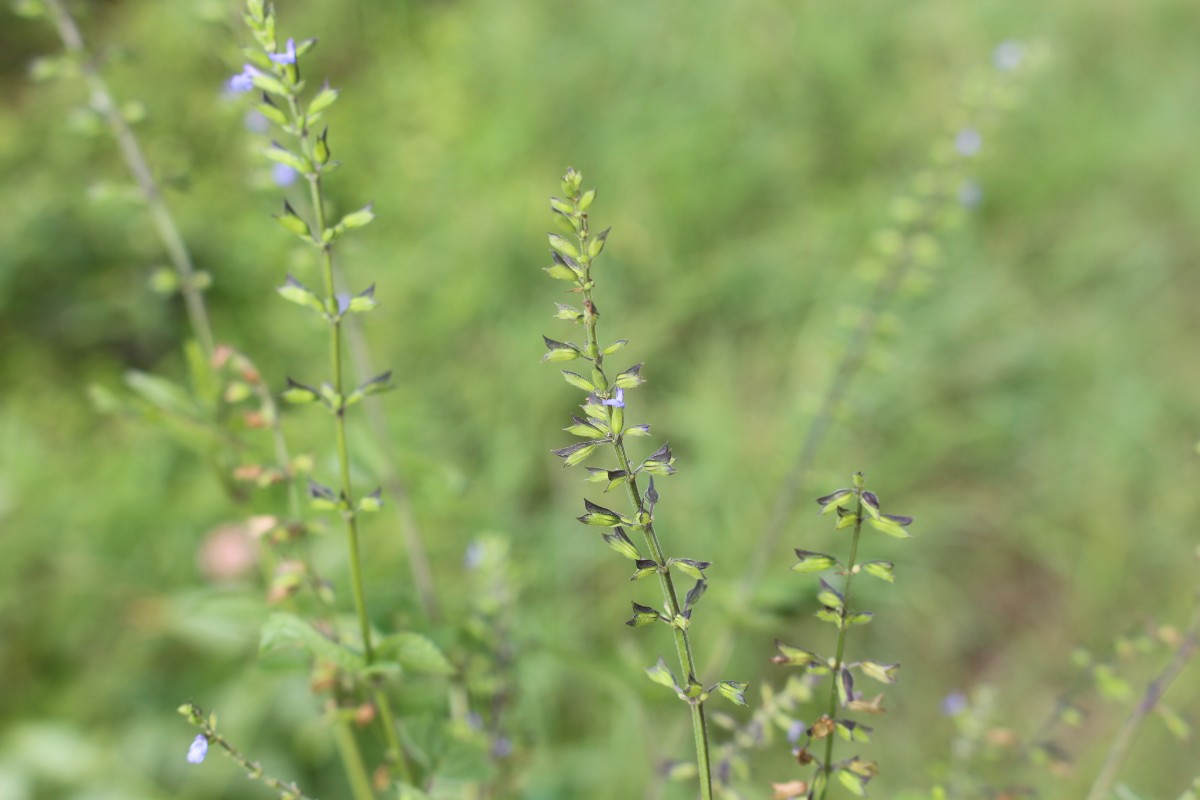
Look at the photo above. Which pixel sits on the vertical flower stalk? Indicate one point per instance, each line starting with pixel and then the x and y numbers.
pixel 853 506
pixel 603 427
pixel 274 71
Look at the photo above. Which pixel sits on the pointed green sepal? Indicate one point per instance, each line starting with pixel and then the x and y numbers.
pixel 813 562
pixel 734 691
pixel 599 515
pixel 643 615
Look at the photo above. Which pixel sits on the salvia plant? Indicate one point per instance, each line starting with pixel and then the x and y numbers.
pixel 854 508
pixel 603 428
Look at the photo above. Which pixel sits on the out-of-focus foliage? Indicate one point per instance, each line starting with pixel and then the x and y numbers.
pixel 1037 409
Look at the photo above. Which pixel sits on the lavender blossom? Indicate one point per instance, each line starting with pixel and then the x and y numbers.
pixel 198 750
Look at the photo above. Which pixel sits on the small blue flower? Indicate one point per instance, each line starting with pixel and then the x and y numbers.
pixel 967 142
pixel 970 194
pixel 198 750
pixel 289 54
pixel 795 731
pixel 283 175
pixel 618 401
pixel 1008 55
pixel 244 80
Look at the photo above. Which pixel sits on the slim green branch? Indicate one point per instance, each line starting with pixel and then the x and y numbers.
pixel 683 645
pixel 102 101
pixel 356 770
pixel 839 655
pixel 1123 743
pixel 254 770
pixel 396 754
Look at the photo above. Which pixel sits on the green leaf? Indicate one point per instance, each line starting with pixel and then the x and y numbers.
pixel 813 562
pixel 643 615
pixel 661 674
pixel 561 273
pixel 563 246
pixel 830 597
pixel 415 652
pixel 845 686
pixel 888 526
pixel 284 631
pixel 560 351
pixel 280 154
pixel 645 566
pixel 794 656
pixel 161 393
pixel 859 618
pixel 630 378
pixel 619 541
pixel 371 502
pixel 615 346
pixel 599 515
pixel 851 731
pixel 297 292
pixel 568 312
pixel 576 453
pixel 857 785
pixel 884 570
pixel 884 673
pixel 734 691
pixel 299 393
pixel 358 219
pixel 1179 727
pixel 690 567
pixel 322 100
pixel 596 245
pixel 362 302
pixel 581 427
pixel 578 381
pixel 292 222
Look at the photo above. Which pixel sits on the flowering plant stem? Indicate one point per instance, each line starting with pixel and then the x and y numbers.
pixel 1123 743
pixel 168 232
pixel 840 652
pixel 395 753
pixel 683 644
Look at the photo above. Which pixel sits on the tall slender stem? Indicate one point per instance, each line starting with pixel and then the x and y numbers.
pixel 838 659
pixel 1123 743
pixel 396 754
pixel 683 644
pixel 131 151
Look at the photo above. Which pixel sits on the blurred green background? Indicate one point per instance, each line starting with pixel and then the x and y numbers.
pixel 1035 408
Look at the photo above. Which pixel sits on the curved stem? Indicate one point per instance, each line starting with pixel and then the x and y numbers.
pixel 839 656
pixel 1123 743
pixel 131 151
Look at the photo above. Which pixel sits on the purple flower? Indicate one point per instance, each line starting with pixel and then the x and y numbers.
pixel 198 750
pixel 795 731
pixel 283 175
pixel 255 122
pixel 618 401
pixel 289 54
pixel 967 142
pixel 244 80
pixel 954 704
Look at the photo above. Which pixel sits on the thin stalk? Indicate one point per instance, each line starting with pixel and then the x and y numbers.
pixel 683 646
pixel 343 736
pixel 254 770
pixel 838 659
pixel 395 752
pixel 131 151
pixel 1123 743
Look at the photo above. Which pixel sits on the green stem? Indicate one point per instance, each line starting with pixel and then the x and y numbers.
pixel 396 754
pixel 135 161
pixel 1123 743
pixel 356 770
pixel 683 646
pixel 838 659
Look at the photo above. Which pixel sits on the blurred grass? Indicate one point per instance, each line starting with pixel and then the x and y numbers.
pixel 1036 411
